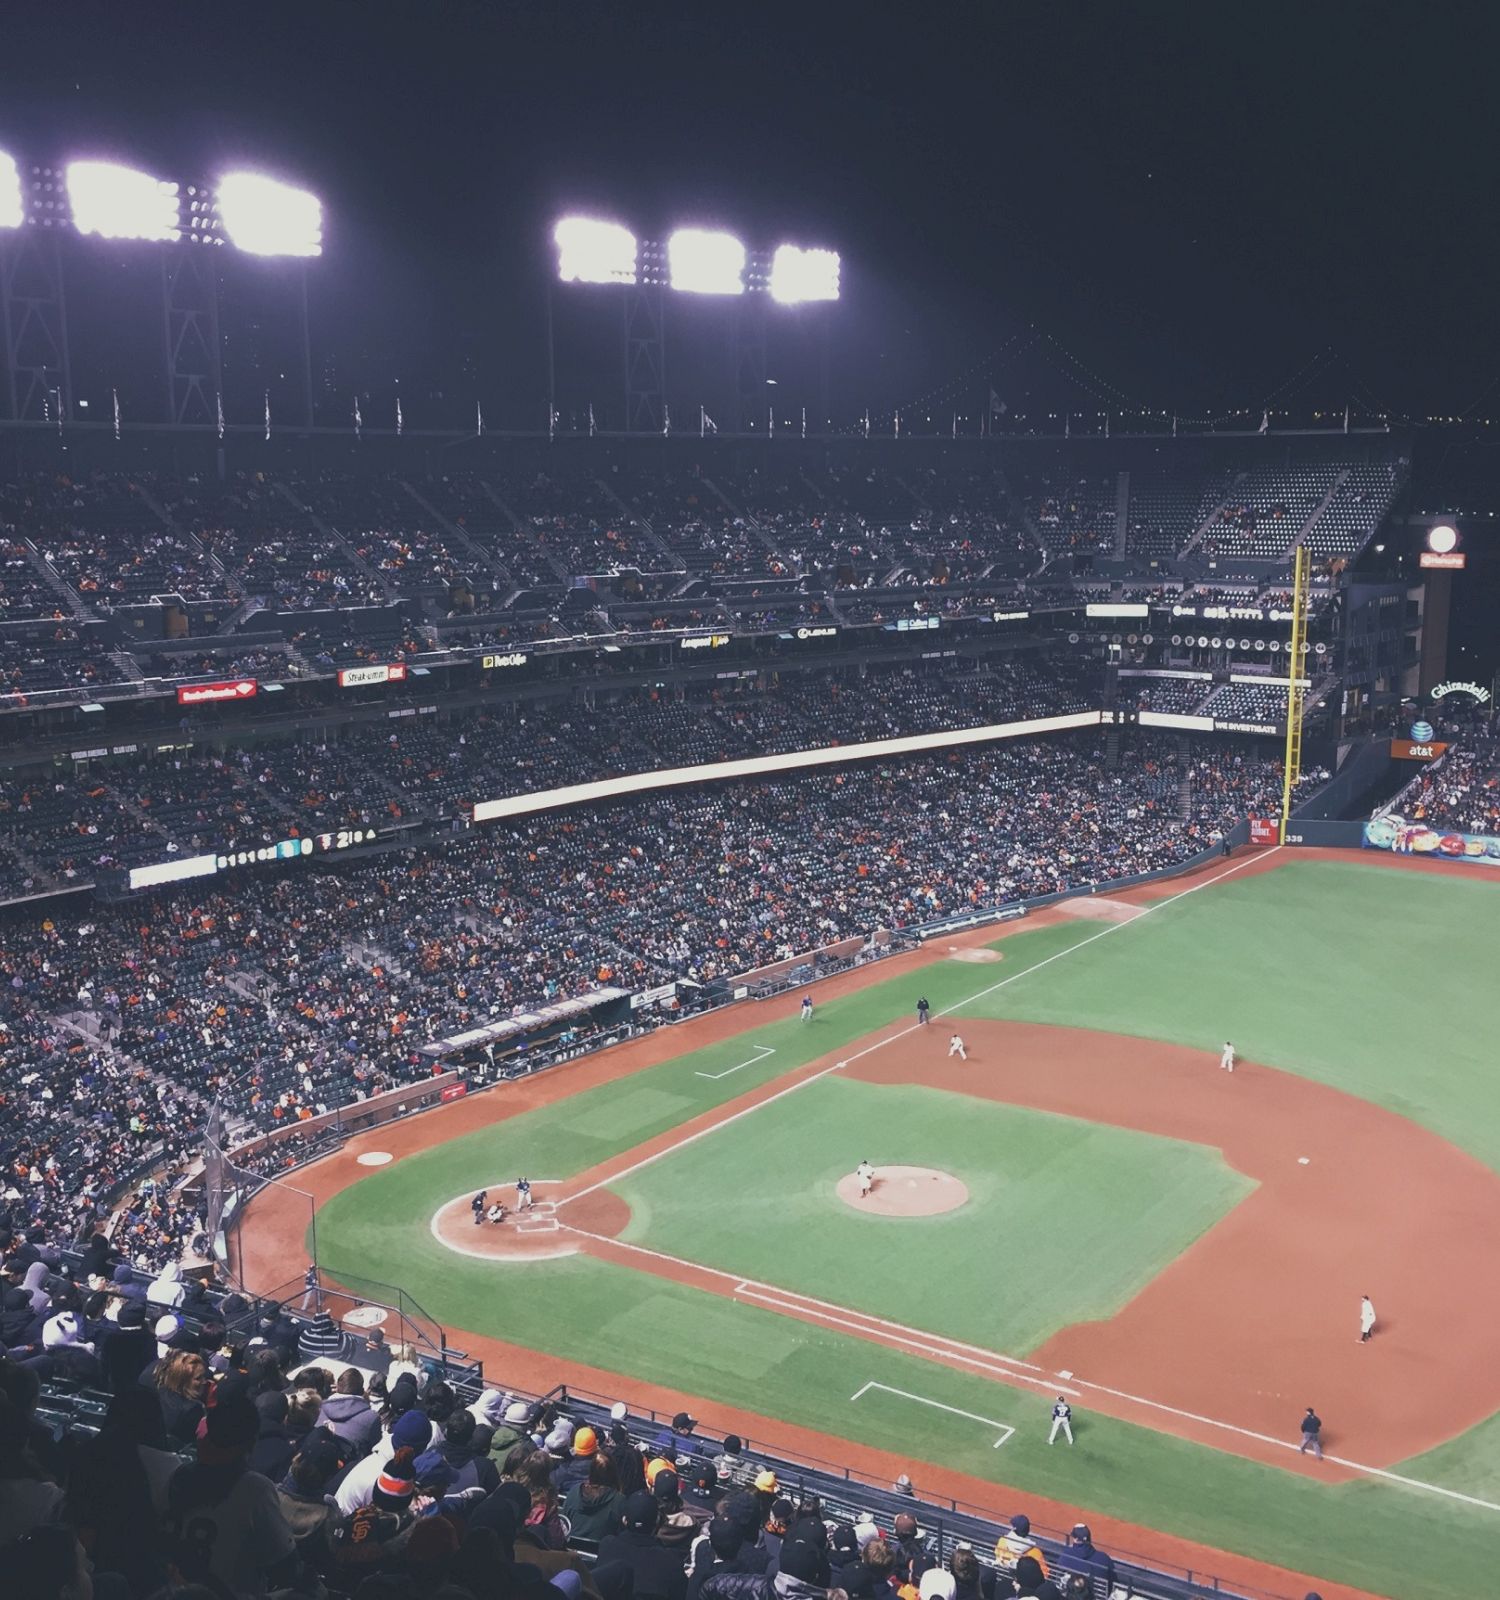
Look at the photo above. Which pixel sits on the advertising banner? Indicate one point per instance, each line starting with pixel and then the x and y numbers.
pixel 195 694
pixel 1414 838
pixel 1263 830
pixel 453 1091
pixel 1417 749
pixel 357 677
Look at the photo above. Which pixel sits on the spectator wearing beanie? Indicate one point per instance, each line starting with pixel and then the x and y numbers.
pixel 410 1431
pixel 348 1413
pixel 228 1521
pixel 676 1525
pixel 937 1584
pixel 658 1572
pixel 575 1469
pixel 595 1506
pixel 373 1538
pixel 725 1540
pixel 802 1572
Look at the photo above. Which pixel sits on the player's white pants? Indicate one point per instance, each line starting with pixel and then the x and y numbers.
pixel 1065 1425
pixel 959 1051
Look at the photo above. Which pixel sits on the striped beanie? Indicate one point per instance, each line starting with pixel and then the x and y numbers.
pixel 397 1482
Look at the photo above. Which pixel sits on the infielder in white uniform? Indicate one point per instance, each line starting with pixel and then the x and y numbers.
pixel 1062 1419
pixel 956 1048
pixel 1226 1060
pixel 1366 1318
pixel 866 1175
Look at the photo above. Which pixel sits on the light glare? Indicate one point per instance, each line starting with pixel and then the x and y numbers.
pixel 120 203
pixel 267 218
pixel 1442 539
pixel 591 251
pixel 798 275
pixel 702 261
pixel 10 192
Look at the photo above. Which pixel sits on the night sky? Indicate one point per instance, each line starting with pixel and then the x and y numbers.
pixel 1206 206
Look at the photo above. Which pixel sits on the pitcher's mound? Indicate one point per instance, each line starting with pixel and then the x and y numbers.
pixel 976 953
pixel 905 1192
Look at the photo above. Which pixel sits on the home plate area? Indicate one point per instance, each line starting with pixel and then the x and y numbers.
pixel 541 1218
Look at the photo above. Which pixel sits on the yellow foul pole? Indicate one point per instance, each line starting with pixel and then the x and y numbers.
pixel 1297 667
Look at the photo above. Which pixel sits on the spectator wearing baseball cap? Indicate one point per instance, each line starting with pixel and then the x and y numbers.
pixel 1081 1556
pixel 304 1491
pixel 674 1441
pixel 514 1428
pixel 658 1572
pixel 1011 1546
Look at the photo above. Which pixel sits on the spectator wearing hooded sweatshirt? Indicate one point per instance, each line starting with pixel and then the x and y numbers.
pixel 167 1290
pixel 515 1427
pixel 658 1572
pixel 594 1506
pixel 721 1553
pixel 305 1493
pixel 348 1412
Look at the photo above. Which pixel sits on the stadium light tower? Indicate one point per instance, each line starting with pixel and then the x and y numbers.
pixel 265 217
pixel 119 202
pixel 704 261
pixel 798 275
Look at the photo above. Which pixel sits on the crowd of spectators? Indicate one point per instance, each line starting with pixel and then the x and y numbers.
pixel 1460 792
pixel 160 1435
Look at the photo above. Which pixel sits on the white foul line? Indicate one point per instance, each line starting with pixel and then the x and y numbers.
pixel 763 1050
pixel 891 1038
pixel 1005 1428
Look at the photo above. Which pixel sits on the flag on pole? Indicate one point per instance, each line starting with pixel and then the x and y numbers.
pixel 116 394
pixel 898 425
pixel 867 422
pixel 708 422
pixel 771 421
pixel 1265 422
pixel 399 422
pixel 1346 419
pixel 998 407
pixel 666 420
pixel 268 416
pixel 591 419
pixel 1106 424
pixel 359 421
pixel 1067 425
pixel 1174 427
pixel 478 420
pixel 219 407
pixel 804 422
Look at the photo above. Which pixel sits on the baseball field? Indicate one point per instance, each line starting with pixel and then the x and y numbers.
pixel 1088 1205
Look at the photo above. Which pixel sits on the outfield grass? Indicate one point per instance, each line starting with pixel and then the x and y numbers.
pixel 1045 1197
pixel 1378 982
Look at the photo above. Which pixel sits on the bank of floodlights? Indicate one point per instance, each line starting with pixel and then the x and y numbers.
pixel 248 211
pixel 799 275
pixel 266 218
pixel 591 251
pixel 118 202
pixel 705 261
pixel 12 211
pixel 702 261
